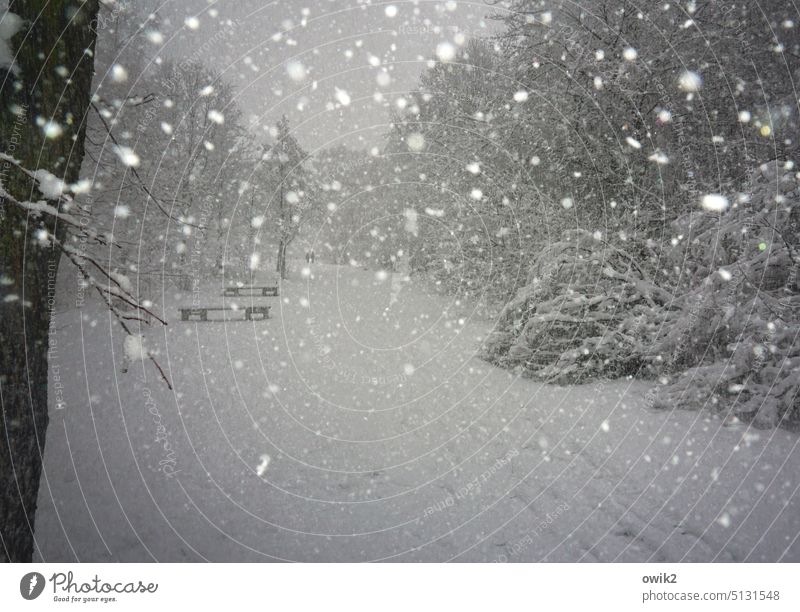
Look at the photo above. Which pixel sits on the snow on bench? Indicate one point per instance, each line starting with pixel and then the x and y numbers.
pixel 201 312
pixel 264 290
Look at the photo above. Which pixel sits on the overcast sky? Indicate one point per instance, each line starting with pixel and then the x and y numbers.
pixel 321 62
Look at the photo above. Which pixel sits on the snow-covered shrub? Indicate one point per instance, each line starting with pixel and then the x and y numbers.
pixel 736 340
pixel 588 311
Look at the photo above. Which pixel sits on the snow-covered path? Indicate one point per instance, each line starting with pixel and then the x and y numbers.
pixel 354 426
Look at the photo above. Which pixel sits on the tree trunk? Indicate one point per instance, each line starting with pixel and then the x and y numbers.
pixel 60 33
pixel 280 267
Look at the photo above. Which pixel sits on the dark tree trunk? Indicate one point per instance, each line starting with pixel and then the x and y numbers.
pixel 280 268
pixel 56 33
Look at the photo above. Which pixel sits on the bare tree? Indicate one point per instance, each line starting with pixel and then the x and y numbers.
pixel 285 158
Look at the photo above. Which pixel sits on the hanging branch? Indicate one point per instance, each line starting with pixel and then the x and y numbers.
pixel 79 259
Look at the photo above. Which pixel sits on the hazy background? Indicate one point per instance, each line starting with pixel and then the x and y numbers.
pixel 373 51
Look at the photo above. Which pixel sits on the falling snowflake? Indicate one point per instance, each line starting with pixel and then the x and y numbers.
pixel 690 81
pixel 445 51
pixel 714 202
pixel 630 54
pixel 659 158
pixel 415 141
pixel 52 130
pixel 342 97
pixel 261 468
pixel 118 74
pixel 127 155
pixel 633 143
pixel 296 71
pixel 155 37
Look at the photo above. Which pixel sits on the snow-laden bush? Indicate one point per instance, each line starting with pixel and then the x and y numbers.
pixel 589 310
pixel 736 339
pixel 720 331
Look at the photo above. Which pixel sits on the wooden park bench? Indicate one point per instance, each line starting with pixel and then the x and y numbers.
pixel 201 312
pixel 264 290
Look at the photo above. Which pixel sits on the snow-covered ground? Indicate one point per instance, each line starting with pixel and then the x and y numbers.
pixel 357 425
